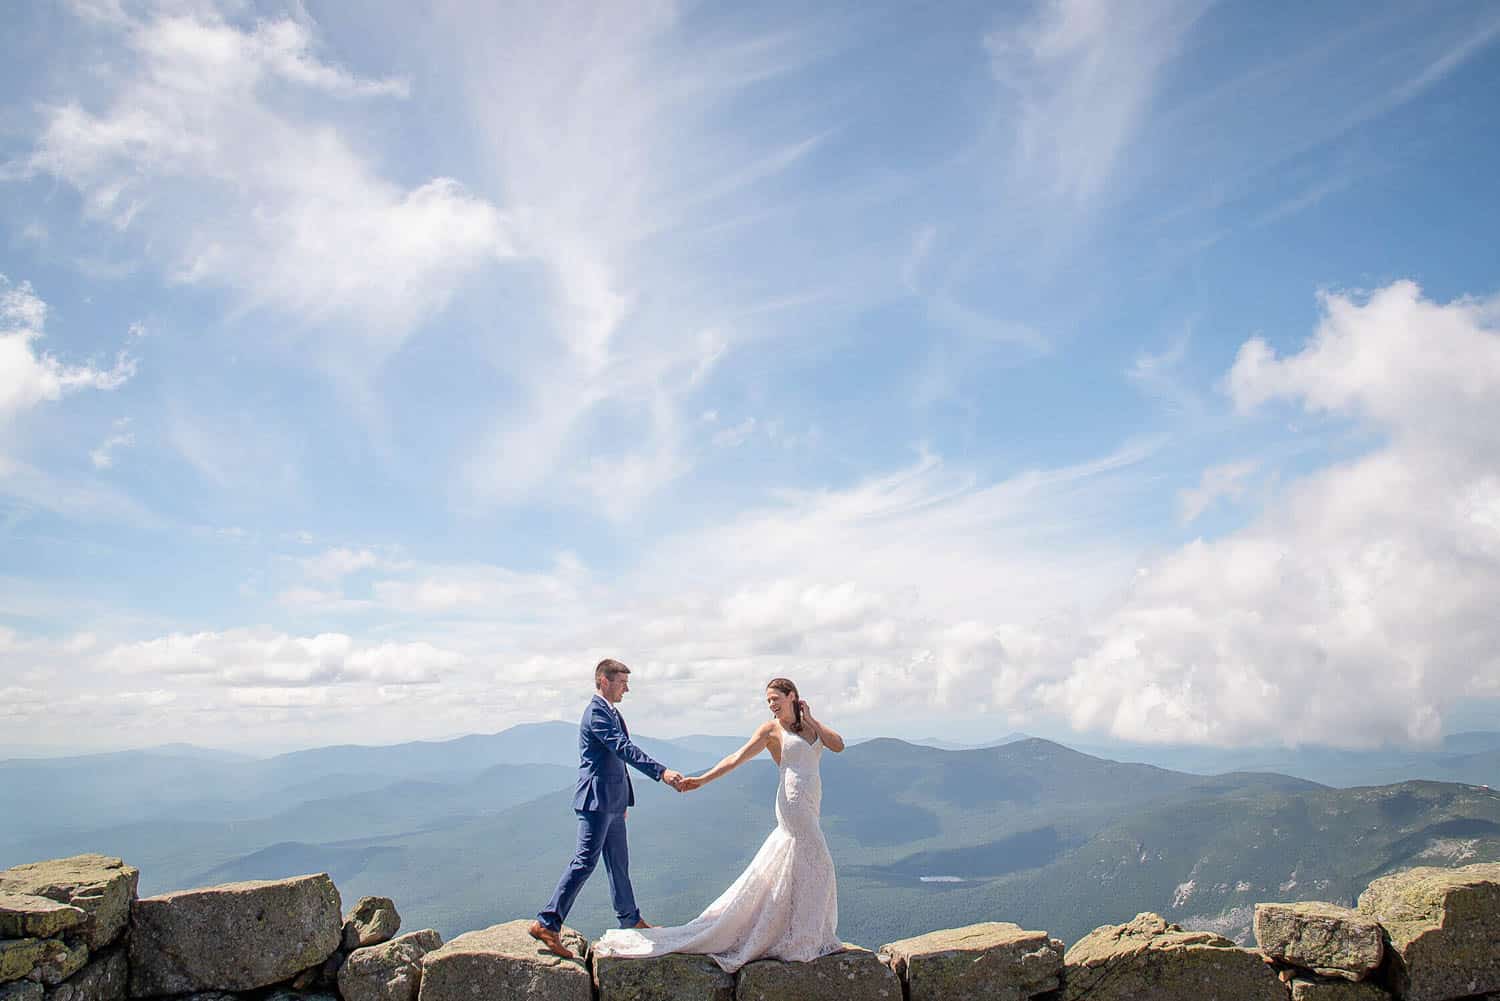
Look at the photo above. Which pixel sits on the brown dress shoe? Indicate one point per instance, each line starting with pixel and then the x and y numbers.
pixel 641 923
pixel 550 939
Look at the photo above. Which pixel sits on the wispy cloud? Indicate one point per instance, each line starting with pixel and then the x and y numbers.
pixel 1083 74
pixel 285 212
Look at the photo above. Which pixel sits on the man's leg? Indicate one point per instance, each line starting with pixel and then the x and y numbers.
pixel 592 827
pixel 617 864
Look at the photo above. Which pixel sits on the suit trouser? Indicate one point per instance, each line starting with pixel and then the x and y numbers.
pixel 599 833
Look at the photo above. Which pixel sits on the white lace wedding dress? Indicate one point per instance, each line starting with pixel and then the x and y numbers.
pixel 783 906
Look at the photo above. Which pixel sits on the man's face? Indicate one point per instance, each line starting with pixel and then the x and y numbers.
pixel 614 686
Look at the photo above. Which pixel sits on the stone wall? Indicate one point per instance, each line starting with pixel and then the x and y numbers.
pixel 75 930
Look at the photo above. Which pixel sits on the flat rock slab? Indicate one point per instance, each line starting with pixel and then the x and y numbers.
pixel 1325 938
pixel 1149 958
pixel 25 915
pixel 233 937
pixel 676 977
pixel 1337 990
pixel 852 975
pixel 22 990
pixel 992 961
pixel 503 963
pixel 1443 930
pixel 390 971
pixel 105 978
pixel 99 885
pixel 373 920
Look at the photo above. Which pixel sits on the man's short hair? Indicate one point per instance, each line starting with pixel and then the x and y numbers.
pixel 608 669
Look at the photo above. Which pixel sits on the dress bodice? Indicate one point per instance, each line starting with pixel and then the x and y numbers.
pixel 799 794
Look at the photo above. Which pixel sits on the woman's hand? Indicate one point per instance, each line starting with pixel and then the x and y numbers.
pixel 690 783
pixel 806 711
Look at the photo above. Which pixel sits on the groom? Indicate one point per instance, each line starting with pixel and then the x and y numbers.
pixel 604 792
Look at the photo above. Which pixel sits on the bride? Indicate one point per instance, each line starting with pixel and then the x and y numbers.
pixel 785 904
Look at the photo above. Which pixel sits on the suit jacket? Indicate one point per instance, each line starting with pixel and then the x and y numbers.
pixel 604 749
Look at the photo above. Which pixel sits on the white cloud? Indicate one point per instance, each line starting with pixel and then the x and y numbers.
pixel 103 457
pixel 1227 480
pixel 620 137
pixel 732 437
pixel 259 658
pixel 196 148
pixel 1083 73
pixel 338 562
pixel 29 378
pixel 1359 606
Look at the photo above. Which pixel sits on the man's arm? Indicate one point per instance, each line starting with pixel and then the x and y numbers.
pixel 605 726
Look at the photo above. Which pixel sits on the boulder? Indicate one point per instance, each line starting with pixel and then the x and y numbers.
pixel 1325 938
pixel 234 937
pixel 22 990
pixel 372 921
pixel 1442 928
pixel 63 959
pixel 503 963
pixel 852 975
pixel 25 915
pixel 675 977
pixel 1149 958
pixel 390 971
pixel 99 885
pixel 993 961
pixel 1308 989
pixel 105 978
pixel 19 956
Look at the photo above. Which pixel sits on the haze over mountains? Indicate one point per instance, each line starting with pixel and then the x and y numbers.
pixel 466 832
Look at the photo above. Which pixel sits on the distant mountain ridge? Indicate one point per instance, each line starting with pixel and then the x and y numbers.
pixel 474 829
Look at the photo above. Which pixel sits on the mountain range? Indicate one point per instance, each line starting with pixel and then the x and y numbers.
pixel 467 832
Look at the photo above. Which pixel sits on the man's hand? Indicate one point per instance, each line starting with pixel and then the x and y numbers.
pixel 673 779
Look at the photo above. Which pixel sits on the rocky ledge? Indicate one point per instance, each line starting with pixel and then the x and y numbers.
pixel 74 930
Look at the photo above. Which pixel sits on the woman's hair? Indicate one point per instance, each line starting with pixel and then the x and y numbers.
pixel 788 689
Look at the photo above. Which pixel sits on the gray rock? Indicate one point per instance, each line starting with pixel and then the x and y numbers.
pixel 1304 989
pixel 105 978
pixel 25 915
pixel 18 957
pixel 1325 938
pixel 209 996
pixel 677 977
pixel 992 961
pixel 852 975
pixel 21 990
pixel 63 959
pixel 1149 958
pixel 100 885
pixel 233 937
pixel 503 963
pixel 390 971
pixel 1442 926
pixel 372 921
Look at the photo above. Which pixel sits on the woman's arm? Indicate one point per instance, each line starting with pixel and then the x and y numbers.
pixel 753 746
pixel 827 734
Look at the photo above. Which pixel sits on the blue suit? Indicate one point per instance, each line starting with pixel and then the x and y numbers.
pixel 600 800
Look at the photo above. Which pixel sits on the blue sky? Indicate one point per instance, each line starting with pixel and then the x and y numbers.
pixel 367 374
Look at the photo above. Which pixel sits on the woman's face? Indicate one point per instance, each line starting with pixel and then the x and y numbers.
pixel 780 705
